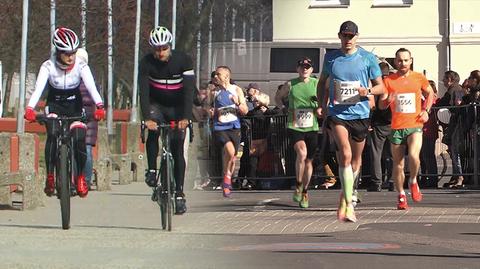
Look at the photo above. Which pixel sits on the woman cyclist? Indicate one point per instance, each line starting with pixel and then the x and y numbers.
pixel 62 77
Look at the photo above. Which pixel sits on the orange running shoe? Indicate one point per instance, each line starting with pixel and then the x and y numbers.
pixel 402 202
pixel 227 190
pixel 416 194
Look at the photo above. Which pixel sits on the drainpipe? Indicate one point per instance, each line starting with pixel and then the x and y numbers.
pixel 447 36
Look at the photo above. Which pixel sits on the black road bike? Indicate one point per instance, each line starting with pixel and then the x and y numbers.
pixel 164 192
pixel 64 162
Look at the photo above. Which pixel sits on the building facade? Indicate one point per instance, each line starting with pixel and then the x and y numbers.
pixel 441 34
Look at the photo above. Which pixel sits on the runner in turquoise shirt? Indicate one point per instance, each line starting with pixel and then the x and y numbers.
pixel 349 72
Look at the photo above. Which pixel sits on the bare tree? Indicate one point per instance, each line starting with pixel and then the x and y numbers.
pixel 68 14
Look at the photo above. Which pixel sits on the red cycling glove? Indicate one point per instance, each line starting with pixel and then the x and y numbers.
pixel 30 114
pixel 100 112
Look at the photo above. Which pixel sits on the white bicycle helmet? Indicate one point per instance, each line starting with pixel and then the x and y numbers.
pixel 160 36
pixel 65 40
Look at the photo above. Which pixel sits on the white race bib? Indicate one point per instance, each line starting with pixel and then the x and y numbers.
pixel 346 92
pixel 405 103
pixel 227 114
pixel 303 118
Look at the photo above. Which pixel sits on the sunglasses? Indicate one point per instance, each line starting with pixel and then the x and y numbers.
pixel 162 48
pixel 306 66
pixel 69 53
pixel 347 36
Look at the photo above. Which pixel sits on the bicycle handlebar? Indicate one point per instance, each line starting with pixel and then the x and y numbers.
pixel 42 118
pixel 171 125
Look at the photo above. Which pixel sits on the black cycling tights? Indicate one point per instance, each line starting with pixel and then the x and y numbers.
pixel 78 135
pixel 177 138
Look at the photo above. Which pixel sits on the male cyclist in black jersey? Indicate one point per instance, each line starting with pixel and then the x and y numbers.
pixel 62 77
pixel 166 86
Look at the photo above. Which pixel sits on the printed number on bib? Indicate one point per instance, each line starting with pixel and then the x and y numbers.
pixel 405 103
pixel 303 118
pixel 346 92
pixel 227 114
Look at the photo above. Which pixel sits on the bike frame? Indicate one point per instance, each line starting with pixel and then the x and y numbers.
pixel 165 190
pixel 64 163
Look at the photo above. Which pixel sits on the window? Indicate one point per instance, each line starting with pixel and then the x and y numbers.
pixel 392 3
pixel 284 60
pixel 329 3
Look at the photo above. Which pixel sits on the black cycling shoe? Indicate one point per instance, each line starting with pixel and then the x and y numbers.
pixel 151 178
pixel 154 196
pixel 180 205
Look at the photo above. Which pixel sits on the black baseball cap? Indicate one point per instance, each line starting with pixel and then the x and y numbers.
pixel 305 61
pixel 348 27
pixel 253 85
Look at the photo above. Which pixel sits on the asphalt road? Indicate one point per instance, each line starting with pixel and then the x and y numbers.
pixel 262 229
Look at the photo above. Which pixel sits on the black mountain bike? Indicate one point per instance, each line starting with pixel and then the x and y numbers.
pixel 164 192
pixel 64 163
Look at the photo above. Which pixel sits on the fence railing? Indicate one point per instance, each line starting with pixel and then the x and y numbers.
pixel 454 132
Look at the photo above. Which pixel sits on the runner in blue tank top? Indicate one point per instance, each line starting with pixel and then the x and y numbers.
pixel 348 72
pixel 228 104
pixel 226 111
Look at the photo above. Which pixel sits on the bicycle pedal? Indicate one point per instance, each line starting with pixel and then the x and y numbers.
pixel 154 196
pixel 73 193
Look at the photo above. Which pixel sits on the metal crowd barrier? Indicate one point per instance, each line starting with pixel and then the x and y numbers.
pixel 278 159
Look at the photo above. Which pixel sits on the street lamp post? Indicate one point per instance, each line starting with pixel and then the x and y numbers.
pixel 23 70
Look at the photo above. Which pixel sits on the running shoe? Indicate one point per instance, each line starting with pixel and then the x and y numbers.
pixel 350 214
pixel 355 198
pixel 342 207
pixel 416 194
pixel 330 182
pixel 227 190
pixel 402 202
pixel 304 202
pixel 297 195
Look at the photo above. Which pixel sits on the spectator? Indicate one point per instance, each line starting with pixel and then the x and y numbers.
pixel 428 161
pixel 92 124
pixel 380 148
pixel 452 97
pixel 451 81
pixel 329 161
pixel 467 118
pixel 200 104
pixel 254 136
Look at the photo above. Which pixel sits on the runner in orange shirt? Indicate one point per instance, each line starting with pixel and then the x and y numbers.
pixel 404 90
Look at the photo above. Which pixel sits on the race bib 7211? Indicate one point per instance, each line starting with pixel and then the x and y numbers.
pixel 346 92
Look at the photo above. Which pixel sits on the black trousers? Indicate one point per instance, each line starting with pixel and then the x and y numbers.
pixel 380 153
